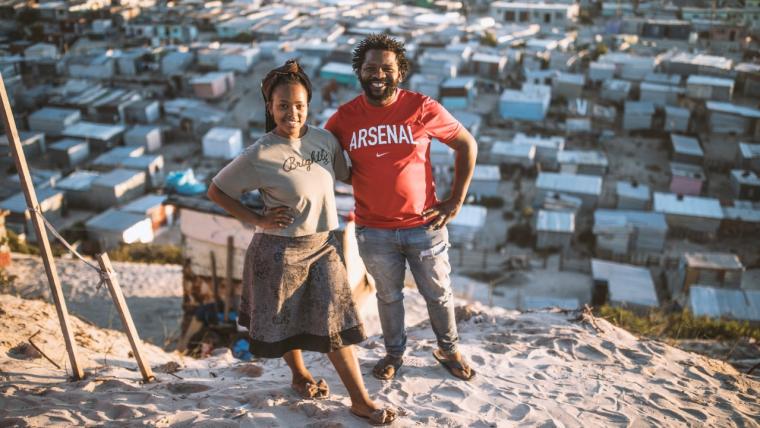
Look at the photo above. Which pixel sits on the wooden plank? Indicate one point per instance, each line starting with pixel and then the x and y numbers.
pixel 126 319
pixel 42 238
pixel 230 287
pixel 215 281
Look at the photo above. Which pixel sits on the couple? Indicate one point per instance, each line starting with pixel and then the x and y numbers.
pixel 296 294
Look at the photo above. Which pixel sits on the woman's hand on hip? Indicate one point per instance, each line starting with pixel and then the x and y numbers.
pixel 276 218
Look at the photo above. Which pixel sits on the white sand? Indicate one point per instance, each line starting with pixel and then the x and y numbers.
pixel 534 369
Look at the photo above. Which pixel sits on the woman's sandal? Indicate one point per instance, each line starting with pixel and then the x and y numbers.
pixel 387 367
pixel 311 390
pixel 378 417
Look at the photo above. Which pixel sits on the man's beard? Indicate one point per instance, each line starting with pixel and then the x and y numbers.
pixel 387 92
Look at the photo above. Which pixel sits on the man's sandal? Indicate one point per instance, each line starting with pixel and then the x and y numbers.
pixel 467 372
pixel 387 367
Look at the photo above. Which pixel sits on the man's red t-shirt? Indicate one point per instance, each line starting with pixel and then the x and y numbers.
pixel 389 149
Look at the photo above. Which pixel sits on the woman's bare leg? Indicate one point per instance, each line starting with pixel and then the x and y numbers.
pixel 347 366
pixel 301 374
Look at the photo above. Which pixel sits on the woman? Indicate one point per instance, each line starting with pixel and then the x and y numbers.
pixel 295 290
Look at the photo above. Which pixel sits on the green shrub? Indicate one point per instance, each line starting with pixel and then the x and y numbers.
pixel 658 323
pixel 147 253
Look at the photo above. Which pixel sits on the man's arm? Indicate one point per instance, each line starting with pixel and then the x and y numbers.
pixel 466 149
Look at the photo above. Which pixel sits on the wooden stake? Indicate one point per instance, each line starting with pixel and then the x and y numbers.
pixel 230 292
pixel 126 319
pixel 215 282
pixel 39 228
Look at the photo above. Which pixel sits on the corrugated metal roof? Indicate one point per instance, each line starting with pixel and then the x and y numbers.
pixel 713 260
pixel 54 113
pixel 117 176
pixel 677 111
pixel 750 151
pixel 723 302
pixel 221 133
pixel 554 142
pixel 466 82
pixel 67 143
pixel 723 107
pixel 626 283
pixel 486 173
pixel 709 80
pixel 17 202
pixel 571 183
pixel 91 130
pixel 691 206
pixel 648 219
pixel 471 216
pixel 555 221
pixel 142 204
pixel 617 85
pixel 639 107
pixel 114 220
pixel 582 157
pixel 338 68
pixel 78 180
pixel 529 92
pixel 572 78
pixel 503 148
pixel 678 169
pixel 633 190
pixel 745 177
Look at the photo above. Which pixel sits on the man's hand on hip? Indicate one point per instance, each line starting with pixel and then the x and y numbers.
pixel 442 213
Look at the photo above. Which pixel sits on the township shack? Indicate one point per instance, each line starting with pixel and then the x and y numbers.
pixel 591 162
pixel 32 144
pixel 715 302
pixel 632 195
pixel 601 71
pixel 616 90
pixel 340 72
pixel 428 84
pixel 223 143
pixel 547 148
pixel 142 111
pixel 465 226
pixel 695 216
pixel 625 285
pixel 554 229
pixel 748 157
pixel 629 233
pixel 687 179
pixel 151 164
pixel 214 85
pixel 485 181
pixel 510 153
pixel 586 187
pixel 727 118
pixel 100 136
pixel 568 85
pixel 117 187
pixel 531 103
pixel 147 136
pixel 723 270
pixel 638 115
pixel 114 227
pixel 458 92
pixel 709 88
pixel 676 119
pixel 77 188
pixel 488 66
pixel 68 153
pixel 152 206
pixel 745 185
pixel 53 120
pixel 50 201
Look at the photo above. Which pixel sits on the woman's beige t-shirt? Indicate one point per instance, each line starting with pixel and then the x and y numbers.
pixel 299 174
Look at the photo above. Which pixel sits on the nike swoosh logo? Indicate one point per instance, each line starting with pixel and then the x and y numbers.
pixel 381 154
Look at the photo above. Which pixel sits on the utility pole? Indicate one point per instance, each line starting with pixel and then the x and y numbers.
pixel 39 228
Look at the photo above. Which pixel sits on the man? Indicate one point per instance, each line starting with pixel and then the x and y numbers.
pixel 387 133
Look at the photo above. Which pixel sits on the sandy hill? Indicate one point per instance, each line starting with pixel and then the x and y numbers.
pixel 534 369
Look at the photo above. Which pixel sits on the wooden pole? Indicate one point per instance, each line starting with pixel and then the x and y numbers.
pixel 39 228
pixel 215 282
pixel 126 319
pixel 230 291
